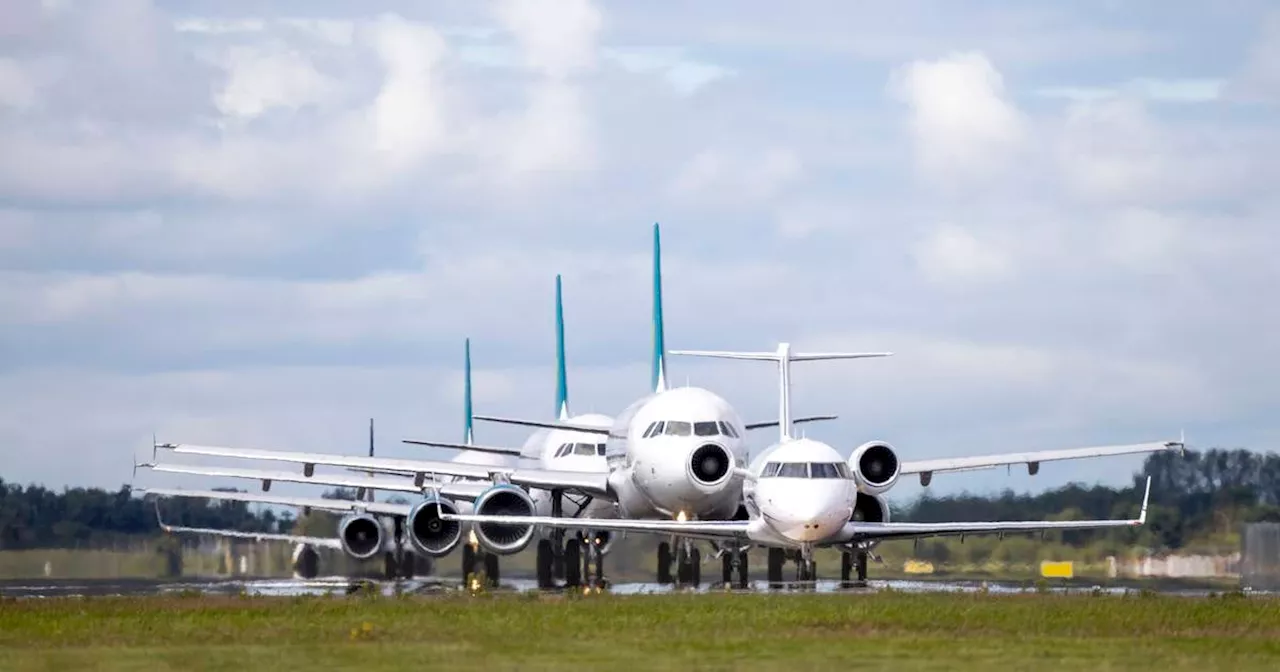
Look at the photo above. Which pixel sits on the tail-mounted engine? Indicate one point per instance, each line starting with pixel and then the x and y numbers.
pixel 361 536
pixel 504 538
pixel 429 534
pixel 306 561
pixel 875 467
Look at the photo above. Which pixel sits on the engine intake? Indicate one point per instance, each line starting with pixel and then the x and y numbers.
pixel 361 536
pixel 710 463
pixel 504 538
pixel 875 467
pixel 430 534
pixel 306 561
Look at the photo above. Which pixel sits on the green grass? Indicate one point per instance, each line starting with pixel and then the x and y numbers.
pixel 757 631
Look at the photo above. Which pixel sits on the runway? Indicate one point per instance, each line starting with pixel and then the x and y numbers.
pixel 339 585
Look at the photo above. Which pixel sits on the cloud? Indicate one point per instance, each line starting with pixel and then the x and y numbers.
pixel 951 255
pixel 961 122
pixel 1155 90
pixel 1258 79
pixel 559 42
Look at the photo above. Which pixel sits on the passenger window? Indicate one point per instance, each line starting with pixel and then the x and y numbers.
pixel 705 428
pixel 678 428
pixel 794 470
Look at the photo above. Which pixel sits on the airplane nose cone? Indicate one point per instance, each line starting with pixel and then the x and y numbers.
pixel 809 522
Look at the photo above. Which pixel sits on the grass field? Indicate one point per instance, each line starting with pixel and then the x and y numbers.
pixel 717 631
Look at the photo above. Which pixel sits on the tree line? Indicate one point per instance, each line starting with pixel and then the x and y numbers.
pixel 1194 497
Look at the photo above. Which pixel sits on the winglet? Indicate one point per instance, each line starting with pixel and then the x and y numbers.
pixel 562 379
pixel 1146 497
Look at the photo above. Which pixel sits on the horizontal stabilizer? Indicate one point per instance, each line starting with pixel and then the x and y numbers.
pixel 797 421
pixel 464 446
pixel 460 491
pixel 318 503
pixel 772 356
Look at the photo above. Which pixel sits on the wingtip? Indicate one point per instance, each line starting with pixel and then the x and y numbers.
pixel 1146 500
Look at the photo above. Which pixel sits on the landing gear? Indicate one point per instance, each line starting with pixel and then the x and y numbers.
pixel 731 561
pixel 572 563
pixel 688 565
pixel 398 563
pixel 777 558
pixel 853 562
pixel 664 563
pixel 473 559
pixel 546 565
pixel 806 570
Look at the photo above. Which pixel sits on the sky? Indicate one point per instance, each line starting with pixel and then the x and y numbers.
pixel 233 224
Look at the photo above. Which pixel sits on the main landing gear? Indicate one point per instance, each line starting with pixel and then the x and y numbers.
pixel 570 559
pixel 475 561
pixel 398 563
pixel 688 562
pixel 852 562
pixel 731 562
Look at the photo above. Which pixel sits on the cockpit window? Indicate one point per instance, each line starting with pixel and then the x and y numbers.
pixel 563 450
pixel 705 428
pixel 794 470
pixel 805 470
pixel 727 429
pixel 600 448
pixel 654 430
pixel 678 428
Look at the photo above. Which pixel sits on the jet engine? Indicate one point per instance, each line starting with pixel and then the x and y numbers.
pixel 870 509
pixel 306 561
pixel 710 463
pixel 361 536
pixel 875 467
pixel 430 534
pixel 503 538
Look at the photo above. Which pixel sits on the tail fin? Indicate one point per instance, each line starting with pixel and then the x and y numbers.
pixel 369 491
pixel 659 345
pixel 562 379
pixel 466 393
pixel 784 357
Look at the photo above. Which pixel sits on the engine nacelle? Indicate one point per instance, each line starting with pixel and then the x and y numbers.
pixel 306 561
pixel 875 467
pixel 429 534
pixel 870 509
pixel 361 536
pixel 504 538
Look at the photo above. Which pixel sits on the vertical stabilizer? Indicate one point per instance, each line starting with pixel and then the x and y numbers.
pixel 659 345
pixel 466 393
pixel 562 379
pixel 784 357
pixel 370 490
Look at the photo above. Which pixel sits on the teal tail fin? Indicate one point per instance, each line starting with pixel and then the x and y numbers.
pixel 562 378
pixel 466 393
pixel 659 345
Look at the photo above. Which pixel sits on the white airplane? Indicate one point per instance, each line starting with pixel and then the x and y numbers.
pixel 675 453
pixel 695 426
pixel 801 495
pixel 547 448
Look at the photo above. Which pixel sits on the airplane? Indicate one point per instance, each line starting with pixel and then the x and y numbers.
pixel 553 449
pixel 802 495
pixel 641 479
pixel 674 453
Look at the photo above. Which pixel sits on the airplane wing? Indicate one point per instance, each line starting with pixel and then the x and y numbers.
pixel 323 542
pixel 590 483
pixel 515 452
pixel 457 491
pixel 711 530
pixel 926 468
pixel 858 531
pixel 318 503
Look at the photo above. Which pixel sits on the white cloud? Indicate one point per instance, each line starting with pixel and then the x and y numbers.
pixel 259 79
pixel 1258 79
pixel 737 175
pixel 683 74
pixel 558 40
pixel 1152 89
pixel 961 121
pixel 951 254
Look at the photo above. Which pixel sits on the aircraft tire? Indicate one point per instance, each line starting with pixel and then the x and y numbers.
pixel 545 563
pixel 862 565
pixel 492 571
pixel 726 569
pixel 468 562
pixel 572 563
pixel 846 567
pixel 695 567
pixel 743 571
pixel 664 563
pixel 776 559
